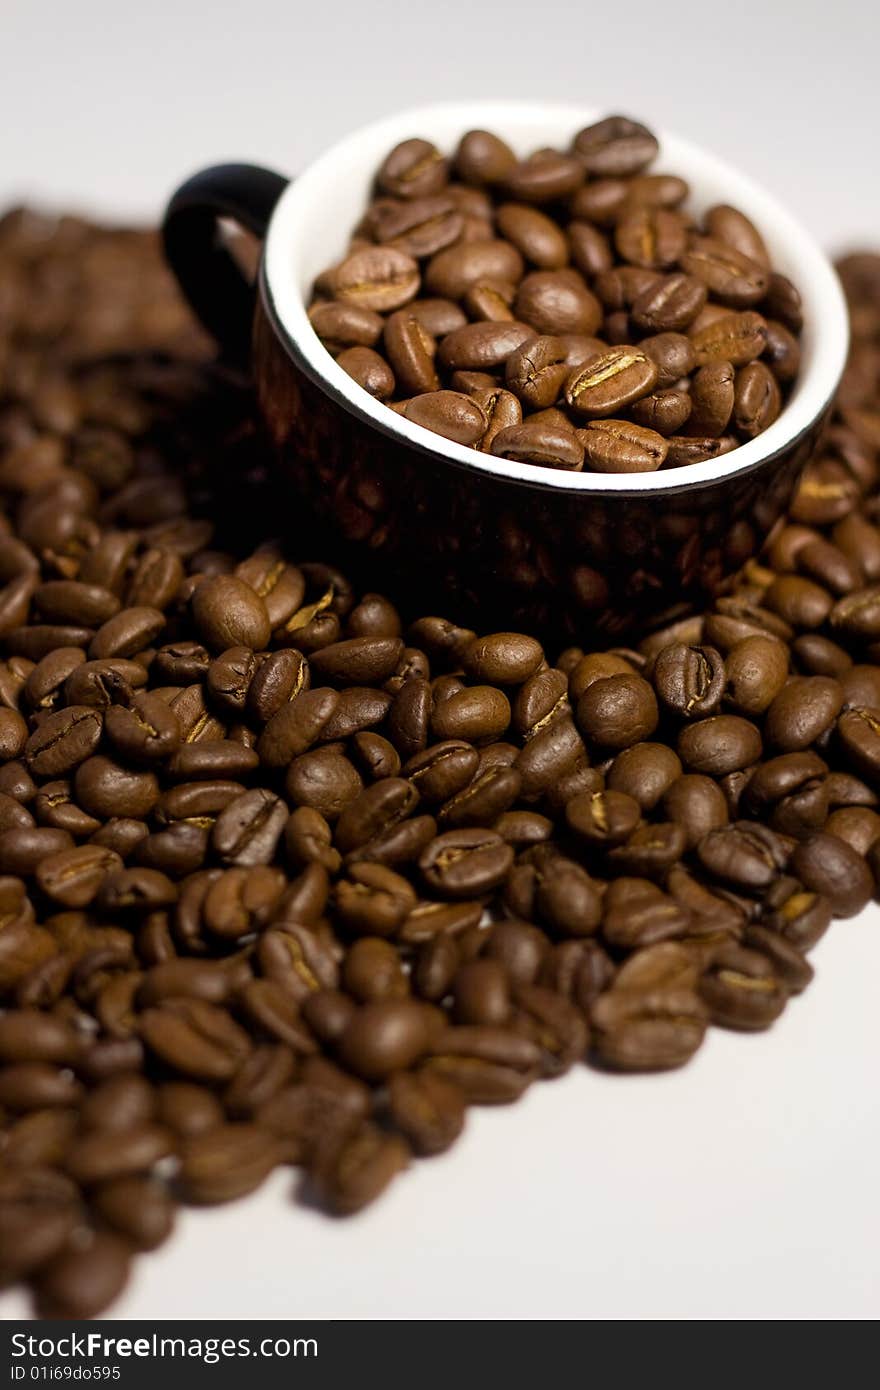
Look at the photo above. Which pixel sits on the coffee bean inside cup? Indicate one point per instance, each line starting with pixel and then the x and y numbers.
pixel 567 309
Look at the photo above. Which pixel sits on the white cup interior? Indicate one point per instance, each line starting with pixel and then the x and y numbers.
pixel 316 214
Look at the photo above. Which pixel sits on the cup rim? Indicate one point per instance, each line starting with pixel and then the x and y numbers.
pixel 826 329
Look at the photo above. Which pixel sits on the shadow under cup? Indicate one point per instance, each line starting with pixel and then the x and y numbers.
pixel 484 541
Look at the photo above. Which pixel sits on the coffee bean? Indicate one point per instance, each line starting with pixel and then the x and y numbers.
pixel 644 772
pixel 129 632
pixel 197 1039
pixel 735 338
pixel 63 740
pixel 465 863
pixel 602 386
pixel 84 1278
pixel 650 1031
pixel 617 446
pixel 741 990
pixel 802 710
pixel 226 1162
pixel 384 1037
pixel 228 613
pixel 617 711
pixel 427 1110
pixel 742 855
pixel 101 1156
pixel 24 847
pixel 138 1209
pixel 697 804
pixel 827 865
pixel 351 1167
pixel 603 818
pixel 74 876
pixel 615 147
pixel 724 743
pixel 800 916
pixel 489 1065
pixel 450 414
pixel 756 669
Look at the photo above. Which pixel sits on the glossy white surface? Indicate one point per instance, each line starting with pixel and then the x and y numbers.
pixel 746 1185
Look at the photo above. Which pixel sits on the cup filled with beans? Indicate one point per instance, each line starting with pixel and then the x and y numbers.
pixel 540 357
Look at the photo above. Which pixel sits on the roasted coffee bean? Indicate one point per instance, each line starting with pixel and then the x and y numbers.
pixel 651 1030
pixel 637 913
pixel 477 714
pixel 384 1037
pixel 353 1166
pixel 615 147
pixel 84 1277
pixel 827 865
pixel 101 1156
pixel 555 1024
pixel 650 850
pixel 229 613
pixel 428 1111
pixel 802 711
pixel 857 825
pixel 372 970
pixel 617 446
pixel 689 681
pixel 670 303
pixel 549 445
pixel 23 848
pixel 604 817
pixel 296 726
pixel 792 791
pixel 757 400
pixel 557 302
pixel 741 989
pixel 603 386
pixel 666 412
pixel 742 855
pixel 718 745
pixel 413 169
pixel 129 632
pixel 697 804
pixel 567 899
pixel 221 1164
pixel 756 669
pixel 789 965
pixel 138 1209
pixel 63 740
pixel 449 413
pixel 465 863
pixel 617 711
pixel 378 808
pixel 374 900
pixel 490 1065
pixel 104 788
pixel 644 772
pixel 74 877
pixel 735 338
pixel 483 158
pixel 197 1039
pixel 145 731
pixel 800 916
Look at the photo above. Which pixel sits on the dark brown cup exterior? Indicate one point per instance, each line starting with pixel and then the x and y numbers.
pixel 502 553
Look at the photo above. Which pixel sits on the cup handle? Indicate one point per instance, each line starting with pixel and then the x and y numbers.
pixel 209 277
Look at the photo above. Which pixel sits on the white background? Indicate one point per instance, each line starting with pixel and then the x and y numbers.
pixel 745 1186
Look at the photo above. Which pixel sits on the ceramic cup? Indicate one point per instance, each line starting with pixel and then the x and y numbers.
pixel 459 532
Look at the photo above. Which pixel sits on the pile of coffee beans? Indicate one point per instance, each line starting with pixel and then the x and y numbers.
pixel 292 876
pixel 564 309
